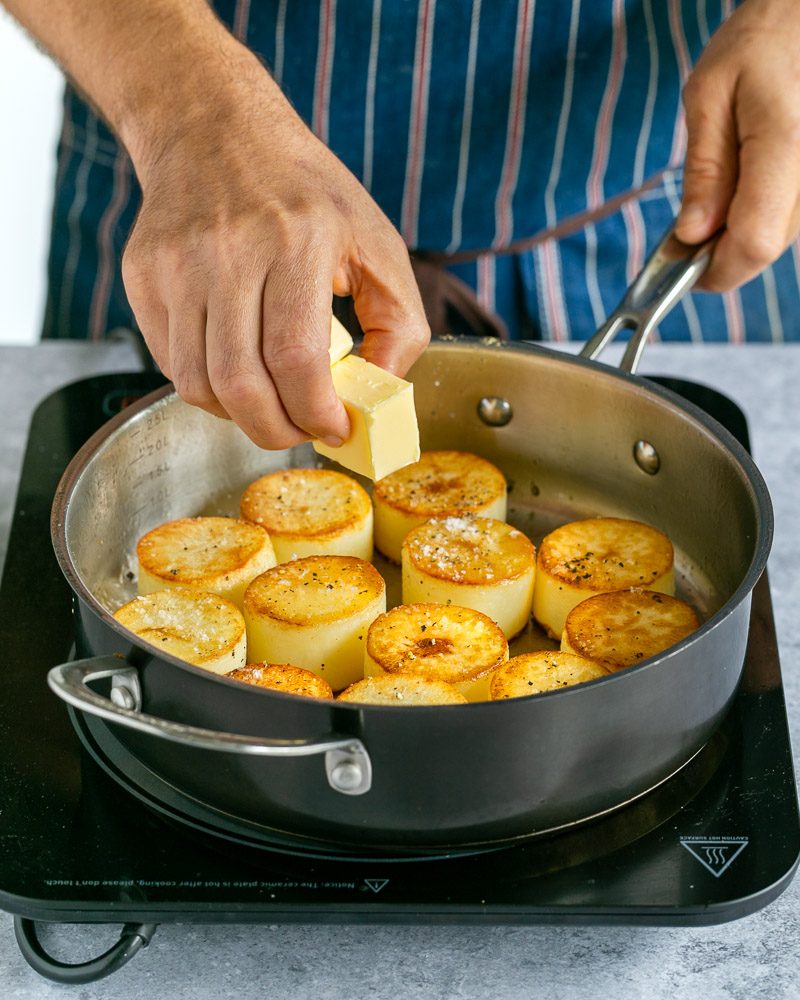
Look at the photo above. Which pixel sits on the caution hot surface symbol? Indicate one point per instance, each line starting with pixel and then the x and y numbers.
pixel 715 854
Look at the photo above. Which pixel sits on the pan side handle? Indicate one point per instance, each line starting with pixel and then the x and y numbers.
pixel 347 763
pixel 670 272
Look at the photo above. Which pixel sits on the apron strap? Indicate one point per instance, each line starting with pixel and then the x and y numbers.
pixel 451 306
pixel 572 224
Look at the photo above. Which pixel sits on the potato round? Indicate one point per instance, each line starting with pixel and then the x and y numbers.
pixel 438 642
pixel 595 556
pixel 533 673
pixel 202 628
pixel 311 512
pixel 285 677
pixel 473 562
pixel 402 690
pixel 627 626
pixel 314 612
pixel 441 482
pixel 220 555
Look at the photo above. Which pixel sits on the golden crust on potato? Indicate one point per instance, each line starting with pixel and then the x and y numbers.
pixel 623 628
pixel 218 554
pixel 285 677
pixel 202 628
pixel 314 613
pixel 533 673
pixel 402 689
pixel 468 550
pixel 594 556
pixel 472 562
pixel 606 553
pixel 439 642
pixel 443 482
pixel 314 590
pixel 306 503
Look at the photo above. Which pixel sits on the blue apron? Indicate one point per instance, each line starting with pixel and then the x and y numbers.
pixel 484 129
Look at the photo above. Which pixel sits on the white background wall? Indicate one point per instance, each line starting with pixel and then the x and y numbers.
pixel 30 95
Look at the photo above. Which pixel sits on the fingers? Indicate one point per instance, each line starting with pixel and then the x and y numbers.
pixel 187 355
pixel 258 352
pixel 148 308
pixel 764 214
pixel 388 306
pixel 296 335
pixel 237 373
pixel 710 169
pixel 742 166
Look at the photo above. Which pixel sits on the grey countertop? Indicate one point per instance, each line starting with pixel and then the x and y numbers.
pixel 756 957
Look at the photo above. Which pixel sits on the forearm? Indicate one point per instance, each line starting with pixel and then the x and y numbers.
pixel 152 68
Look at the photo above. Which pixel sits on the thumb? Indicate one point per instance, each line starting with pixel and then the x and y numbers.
pixel 711 168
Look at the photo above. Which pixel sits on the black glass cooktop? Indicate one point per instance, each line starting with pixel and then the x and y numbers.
pixel 717 841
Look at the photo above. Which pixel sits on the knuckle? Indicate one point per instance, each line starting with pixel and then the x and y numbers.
pixel 294 356
pixel 178 259
pixel 700 168
pixel 419 334
pixel 236 388
pixel 396 243
pixel 388 245
pixel 280 232
pixel 763 250
pixel 316 232
pixel 225 246
pixel 696 89
pixel 298 223
pixel 194 396
pixel 757 247
pixel 134 269
pixel 193 387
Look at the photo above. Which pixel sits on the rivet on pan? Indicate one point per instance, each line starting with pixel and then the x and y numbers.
pixel 495 411
pixel 123 698
pixel 346 776
pixel 646 457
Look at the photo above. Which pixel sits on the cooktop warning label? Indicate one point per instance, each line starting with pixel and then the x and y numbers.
pixel 376 884
pixel 715 854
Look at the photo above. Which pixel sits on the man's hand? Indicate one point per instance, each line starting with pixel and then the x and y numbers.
pixel 743 158
pixel 248 225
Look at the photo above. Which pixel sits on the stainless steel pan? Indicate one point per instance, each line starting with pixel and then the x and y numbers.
pixel 575 438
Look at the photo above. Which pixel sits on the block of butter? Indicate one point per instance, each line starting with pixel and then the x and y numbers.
pixel 341 341
pixel 383 422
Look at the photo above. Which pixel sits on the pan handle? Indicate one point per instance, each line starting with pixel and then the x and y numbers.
pixel 670 271
pixel 347 763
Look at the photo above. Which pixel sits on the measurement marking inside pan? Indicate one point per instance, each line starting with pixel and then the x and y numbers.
pixel 152 502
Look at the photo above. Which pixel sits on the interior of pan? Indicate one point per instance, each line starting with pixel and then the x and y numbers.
pixel 567 452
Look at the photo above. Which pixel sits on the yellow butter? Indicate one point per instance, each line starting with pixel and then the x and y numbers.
pixel 341 341
pixel 383 423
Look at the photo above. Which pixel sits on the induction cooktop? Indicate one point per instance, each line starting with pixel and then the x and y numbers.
pixel 85 837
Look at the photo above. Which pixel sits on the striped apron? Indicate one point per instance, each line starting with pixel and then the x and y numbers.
pixel 530 148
